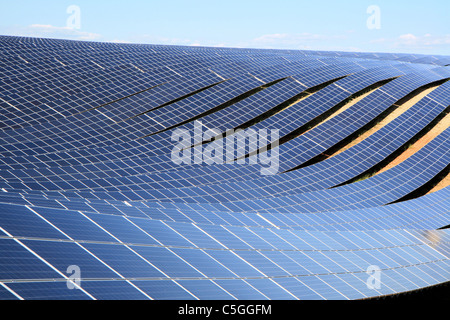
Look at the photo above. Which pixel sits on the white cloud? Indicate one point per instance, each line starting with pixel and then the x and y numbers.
pixel 304 41
pixel 411 41
pixel 119 41
pixel 407 40
pixel 154 39
pixel 63 31
pixel 49 31
pixel 288 38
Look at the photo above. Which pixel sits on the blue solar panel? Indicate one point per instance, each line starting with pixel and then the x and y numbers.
pixel 90 196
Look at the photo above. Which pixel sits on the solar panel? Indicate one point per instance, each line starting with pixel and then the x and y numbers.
pixel 92 206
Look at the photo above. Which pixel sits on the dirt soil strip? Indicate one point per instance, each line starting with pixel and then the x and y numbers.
pixel 419 144
pixel 442 184
pixel 391 117
pixel 343 108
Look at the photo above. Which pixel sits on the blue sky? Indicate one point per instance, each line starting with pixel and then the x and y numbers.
pixel 404 26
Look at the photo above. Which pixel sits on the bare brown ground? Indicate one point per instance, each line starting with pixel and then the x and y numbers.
pixel 307 95
pixel 392 116
pixel 442 184
pixel 343 108
pixel 419 144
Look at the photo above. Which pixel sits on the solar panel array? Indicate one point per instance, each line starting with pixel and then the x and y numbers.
pixel 93 206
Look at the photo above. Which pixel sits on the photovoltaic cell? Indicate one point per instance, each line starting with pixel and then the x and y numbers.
pixel 90 196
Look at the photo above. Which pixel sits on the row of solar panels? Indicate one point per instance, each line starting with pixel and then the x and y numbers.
pixel 89 183
pixel 430 210
pixel 11 159
pixel 117 249
pixel 124 147
pixel 23 45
